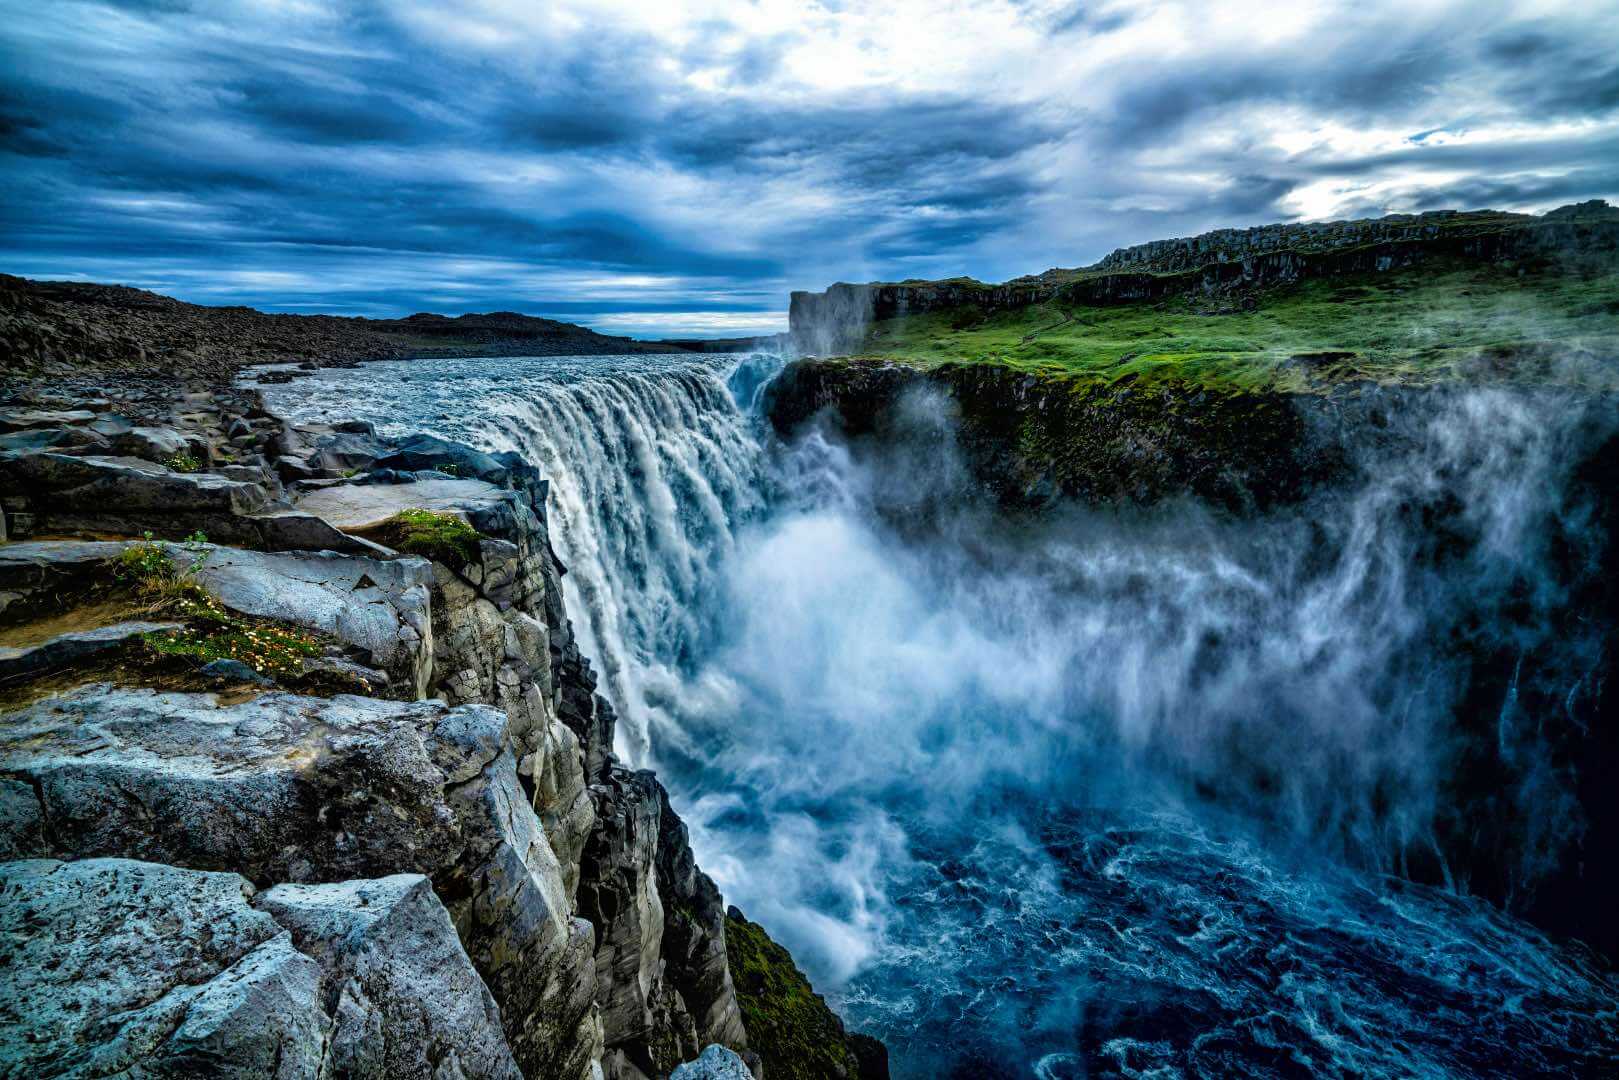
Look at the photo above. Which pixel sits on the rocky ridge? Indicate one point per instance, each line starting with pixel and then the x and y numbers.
pixel 68 327
pixel 381 774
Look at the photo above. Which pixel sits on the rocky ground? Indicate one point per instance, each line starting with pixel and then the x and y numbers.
pixel 66 328
pixel 302 772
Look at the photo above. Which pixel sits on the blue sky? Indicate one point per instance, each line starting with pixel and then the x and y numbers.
pixel 674 168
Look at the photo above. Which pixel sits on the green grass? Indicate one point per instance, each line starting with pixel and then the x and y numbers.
pixel 1427 325
pixel 443 537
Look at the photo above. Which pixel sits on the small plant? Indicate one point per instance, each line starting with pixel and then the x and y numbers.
pixel 182 462
pixel 443 537
pixel 151 575
pixel 450 468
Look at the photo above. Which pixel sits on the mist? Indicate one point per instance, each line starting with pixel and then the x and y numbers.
pixel 926 743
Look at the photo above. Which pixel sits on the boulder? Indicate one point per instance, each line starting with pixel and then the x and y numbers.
pixel 715 1063
pixel 116 967
pixel 297 530
pixel 428 452
pixel 346 451
pixel 286 788
pixel 405 1001
pixel 158 444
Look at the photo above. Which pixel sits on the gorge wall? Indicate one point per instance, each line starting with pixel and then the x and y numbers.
pixel 456 805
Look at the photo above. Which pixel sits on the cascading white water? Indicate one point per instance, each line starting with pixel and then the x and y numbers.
pixel 999 789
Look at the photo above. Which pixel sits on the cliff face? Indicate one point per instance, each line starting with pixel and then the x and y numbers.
pixel 458 797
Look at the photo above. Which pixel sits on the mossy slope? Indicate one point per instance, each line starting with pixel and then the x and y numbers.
pixel 788 1023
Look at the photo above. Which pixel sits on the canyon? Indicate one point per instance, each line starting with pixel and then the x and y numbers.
pixel 1066 673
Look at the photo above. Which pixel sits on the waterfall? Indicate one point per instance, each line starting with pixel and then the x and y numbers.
pixel 652 474
pixel 1101 793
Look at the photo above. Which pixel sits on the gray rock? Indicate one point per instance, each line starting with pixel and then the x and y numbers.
pixel 346 451
pixel 65 438
pixel 126 495
pixel 363 506
pixel 71 648
pixel 371 604
pixel 644 1020
pixel 715 1063
pixel 356 427
pixel 296 530
pixel 428 452
pixel 286 788
pixel 157 444
pixel 238 428
pixel 21 825
pixel 23 419
pixel 37 569
pixel 404 998
pixel 115 967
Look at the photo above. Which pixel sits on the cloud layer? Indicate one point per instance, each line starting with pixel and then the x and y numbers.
pixel 677 169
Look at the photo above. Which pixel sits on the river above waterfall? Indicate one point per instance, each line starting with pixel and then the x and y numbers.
pixel 1120 793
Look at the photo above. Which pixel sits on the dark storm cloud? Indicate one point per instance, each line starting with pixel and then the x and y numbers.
pixel 392 157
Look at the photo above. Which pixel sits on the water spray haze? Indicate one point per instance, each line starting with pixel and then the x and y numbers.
pixel 992 777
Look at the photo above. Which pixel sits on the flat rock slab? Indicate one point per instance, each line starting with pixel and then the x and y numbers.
pixel 70 648
pixel 23 419
pixel 381 606
pixel 365 506
pixel 407 1000
pixel 110 492
pixel 115 968
pixel 27 567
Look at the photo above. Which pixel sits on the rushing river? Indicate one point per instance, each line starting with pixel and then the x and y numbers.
pixel 1118 794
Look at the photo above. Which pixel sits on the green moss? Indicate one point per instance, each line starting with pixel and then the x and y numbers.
pixel 788 1023
pixel 443 537
pixel 1441 322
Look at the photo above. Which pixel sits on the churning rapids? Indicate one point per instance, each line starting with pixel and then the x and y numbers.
pixel 1124 793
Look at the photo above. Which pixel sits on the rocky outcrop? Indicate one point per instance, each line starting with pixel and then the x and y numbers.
pixel 790 1026
pixel 126 967
pixel 290 789
pixel 1028 440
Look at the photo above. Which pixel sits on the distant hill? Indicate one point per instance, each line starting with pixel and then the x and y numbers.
pixel 69 326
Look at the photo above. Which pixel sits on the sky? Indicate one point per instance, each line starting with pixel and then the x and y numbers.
pixel 653 168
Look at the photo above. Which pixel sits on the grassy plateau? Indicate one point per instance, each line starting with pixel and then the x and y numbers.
pixel 1435 323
